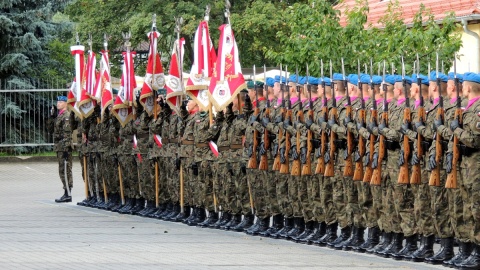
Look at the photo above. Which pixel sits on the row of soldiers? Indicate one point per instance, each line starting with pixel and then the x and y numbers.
pixel 324 158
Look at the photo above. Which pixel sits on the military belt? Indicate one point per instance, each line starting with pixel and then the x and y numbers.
pixel 341 144
pixel 200 145
pixel 143 136
pixel 392 145
pixel 165 141
pixel 465 150
pixel 173 140
pixel 236 146
pixel 223 148
pixel 187 142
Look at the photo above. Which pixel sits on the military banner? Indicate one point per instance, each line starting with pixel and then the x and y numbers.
pixel 86 103
pixel 174 83
pixel 202 67
pixel 227 78
pixel 122 108
pixel 103 87
pixel 75 90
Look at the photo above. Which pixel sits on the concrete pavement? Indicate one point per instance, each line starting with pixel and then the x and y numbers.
pixel 37 233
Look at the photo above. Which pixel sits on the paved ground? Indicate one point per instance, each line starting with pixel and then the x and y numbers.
pixel 36 233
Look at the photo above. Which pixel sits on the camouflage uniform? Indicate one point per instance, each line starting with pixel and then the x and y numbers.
pixel 61 128
pixel 170 154
pixel 92 152
pixel 127 161
pixel 186 155
pixel 145 165
pixel 107 166
pixel 159 127
pixel 113 183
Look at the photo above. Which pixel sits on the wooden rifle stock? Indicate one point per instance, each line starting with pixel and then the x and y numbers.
pixel 266 144
pixel 358 174
pixel 276 161
pixel 329 167
pixel 252 162
pixel 377 172
pixel 416 177
pixel 367 176
pixel 348 169
pixel 435 175
pixel 403 177
pixel 285 167
pixel 452 176
pixel 296 164
pixel 320 169
pixel 307 167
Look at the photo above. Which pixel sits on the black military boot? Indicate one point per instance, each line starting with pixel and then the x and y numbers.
pixel 139 205
pixel 99 203
pixel 199 218
pixel 64 198
pixel 176 210
pixel 341 245
pixel 344 235
pixel 387 238
pixel 91 202
pixel 298 229
pixel 262 226
pixel 168 210
pixel 444 254
pixel 286 228
pixel 318 233
pixel 473 261
pixel 424 251
pixel 112 201
pixel 277 224
pixel 464 251
pixel 117 205
pixel 224 219
pixel 310 227
pixel 145 209
pixel 127 206
pixel 182 216
pixel 236 219
pixel 246 223
pixel 409 248
pixel 330 235
pixel 212 218
pixel 254 225
pixel 226 222
pixel 192 216
pixel 395 246
pixel 372 240
pixel 158 211
pixel 84 202
pixel 357 240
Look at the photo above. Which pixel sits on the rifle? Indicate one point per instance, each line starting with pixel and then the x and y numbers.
pixel 416 177
pixel 435 176
pixel 373 119
pixel 296 167
pixel 252 162
pixel 320 169
pixel 307 167
pixel 358 174
pixel 348 169
pixel 377 172
pixel 276 161
pixel 284 167
pixel 266 140
pixel 329 167
pixel 407 114
pixel 452 176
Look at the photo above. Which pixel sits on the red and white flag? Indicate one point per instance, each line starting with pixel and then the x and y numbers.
pixel 86 103
pixel 103 86
pixel 135 146
pixel 213 148
pixel 75 92
pixel 174 83
pixel 202 67
pixel 123 106
pixel 227 78
pixel 154 79
pixel 158 140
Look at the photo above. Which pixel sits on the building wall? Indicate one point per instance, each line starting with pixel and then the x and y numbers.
pixel 469 52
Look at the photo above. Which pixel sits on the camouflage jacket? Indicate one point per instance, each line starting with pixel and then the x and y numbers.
pixel 185 130
pixel 142 132
pixel 61 128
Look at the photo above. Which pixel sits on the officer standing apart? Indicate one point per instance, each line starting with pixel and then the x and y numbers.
pixel 59 125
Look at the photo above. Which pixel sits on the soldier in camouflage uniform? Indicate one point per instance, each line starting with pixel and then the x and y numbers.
pixel 93 160
pixel 59 125
pixel 469 137
pixel 112 180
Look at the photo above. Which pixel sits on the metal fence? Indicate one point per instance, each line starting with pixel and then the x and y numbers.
pixel 23 118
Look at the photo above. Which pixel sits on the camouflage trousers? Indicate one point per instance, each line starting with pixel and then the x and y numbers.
pixel 242 190
pixel 163 195
pixel 305 196
pixel 343 217
pixel 270 180
pixel 442 208
pixel 173 179
pixel 259 186
pixel 369 211
pixel 314 186
pixel 378 194
pixel 356 203
pixel 95 173
pixel 220 180
pixel 470 188
pixel 326 197
pixel 110 173
pixel 292 189
pixel 205 182
pixel 61 169
pixel 229 195
pixel 461 228
pixel 146 172
pixel 423 205
pixel 399 201
pixel 282 194
pixel 128 166
pixel 188 181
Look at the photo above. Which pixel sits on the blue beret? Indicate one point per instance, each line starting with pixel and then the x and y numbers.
pixel 293 78
pixel 62 98
pixel 377 79
pixel 327 81
pixel 433 76
pixel 313 80
pixel 364 78
pixel 337 77
pixel 398 78
pixel 390 79
pixel 251 84
pixel 277 79
pixel 302 80
pixel 424 79
pixel 451 76
pixel 471 77
pixel 353 79
pixel 270 81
